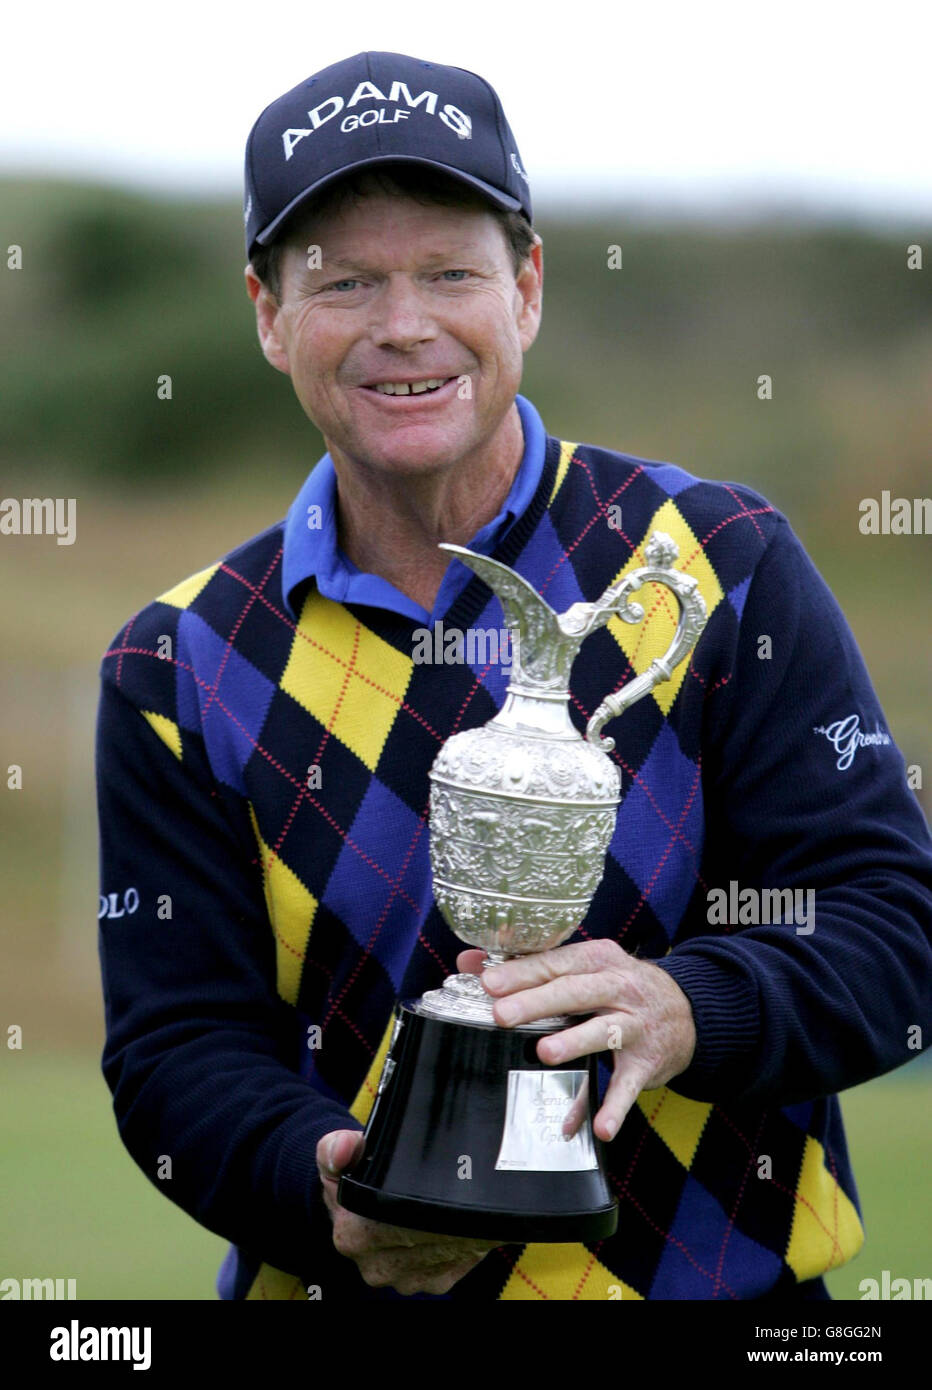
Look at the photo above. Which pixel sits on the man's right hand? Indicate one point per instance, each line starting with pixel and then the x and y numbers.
pixel 409 1261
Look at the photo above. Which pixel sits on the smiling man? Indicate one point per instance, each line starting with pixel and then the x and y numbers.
pixel 409 363
pixel 265 737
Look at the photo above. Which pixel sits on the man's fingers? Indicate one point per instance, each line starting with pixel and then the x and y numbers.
pixel 604 1033
pixel 435 1280
pixel 577 1111
pixel 623 1089
pixel 338 1150
pixel 578 958
pixel 358 1237
pixel 428 1263
pixel 470 962
pixel 570 994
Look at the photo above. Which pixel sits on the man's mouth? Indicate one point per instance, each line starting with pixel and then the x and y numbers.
pixel 410 388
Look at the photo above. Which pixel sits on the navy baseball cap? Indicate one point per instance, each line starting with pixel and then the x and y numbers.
pixel 378 108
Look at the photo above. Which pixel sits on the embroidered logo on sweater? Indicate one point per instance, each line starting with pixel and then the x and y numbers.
pixel 846 736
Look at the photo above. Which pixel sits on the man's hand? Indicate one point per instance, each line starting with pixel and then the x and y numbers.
pixel 642 1016
pixel 409 1261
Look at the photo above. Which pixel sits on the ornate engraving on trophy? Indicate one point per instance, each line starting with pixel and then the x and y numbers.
pixel 522 809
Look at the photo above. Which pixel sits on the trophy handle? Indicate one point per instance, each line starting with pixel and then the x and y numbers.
pixel 661 551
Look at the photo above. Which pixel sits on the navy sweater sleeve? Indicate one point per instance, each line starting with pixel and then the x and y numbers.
pixel 201 1052
pixel 784 1015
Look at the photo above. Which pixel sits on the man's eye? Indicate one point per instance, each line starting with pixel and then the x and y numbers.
pixel 456 272
pixel 337 283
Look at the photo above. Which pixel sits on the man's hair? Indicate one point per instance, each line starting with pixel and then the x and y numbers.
pixel 422 185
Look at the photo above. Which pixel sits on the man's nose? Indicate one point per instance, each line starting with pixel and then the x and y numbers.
pixel 401 314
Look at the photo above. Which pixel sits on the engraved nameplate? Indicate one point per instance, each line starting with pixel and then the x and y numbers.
pixel 533 1139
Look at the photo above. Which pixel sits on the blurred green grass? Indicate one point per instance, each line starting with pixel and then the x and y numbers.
pixel 76 1206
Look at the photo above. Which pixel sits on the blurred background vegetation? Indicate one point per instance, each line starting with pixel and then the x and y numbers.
pixel 659 359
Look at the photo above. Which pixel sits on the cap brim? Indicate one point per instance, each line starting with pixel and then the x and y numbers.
pixel 495 195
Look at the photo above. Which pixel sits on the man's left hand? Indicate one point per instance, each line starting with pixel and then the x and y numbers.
pixel 641 1016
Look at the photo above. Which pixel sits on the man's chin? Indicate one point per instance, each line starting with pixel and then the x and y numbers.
pixel 420 454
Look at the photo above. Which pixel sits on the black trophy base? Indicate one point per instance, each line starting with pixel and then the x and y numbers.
pixel 434 1142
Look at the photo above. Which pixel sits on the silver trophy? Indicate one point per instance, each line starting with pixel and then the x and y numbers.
pixel 522 811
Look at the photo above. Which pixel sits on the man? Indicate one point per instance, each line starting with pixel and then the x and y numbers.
pixel 265 735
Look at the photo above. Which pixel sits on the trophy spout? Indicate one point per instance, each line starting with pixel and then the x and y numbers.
pixel 542 649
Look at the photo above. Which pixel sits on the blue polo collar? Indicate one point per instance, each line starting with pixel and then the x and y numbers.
pixel 311 550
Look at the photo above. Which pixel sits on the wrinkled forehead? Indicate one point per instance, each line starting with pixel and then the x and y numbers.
pixel 364 221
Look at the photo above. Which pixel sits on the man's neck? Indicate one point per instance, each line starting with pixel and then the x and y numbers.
pixel 391 525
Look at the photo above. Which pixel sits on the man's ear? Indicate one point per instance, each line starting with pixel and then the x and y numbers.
pixel 268 321
pixel 530 285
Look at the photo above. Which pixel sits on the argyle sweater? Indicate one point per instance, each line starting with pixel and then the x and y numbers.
pixel 266 889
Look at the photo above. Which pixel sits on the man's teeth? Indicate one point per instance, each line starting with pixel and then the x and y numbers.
pixel 413 388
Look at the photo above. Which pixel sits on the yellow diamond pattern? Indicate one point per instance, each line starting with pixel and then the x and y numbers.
pixel 166 729
pixel 187 591
pixel 272 1283
pixel 356 699
pixel 291 912
pixel 563 1272
pixel 826 1229
pixel 679 1122
pixel 566 453
pixel 642 642
pixel 365 1097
